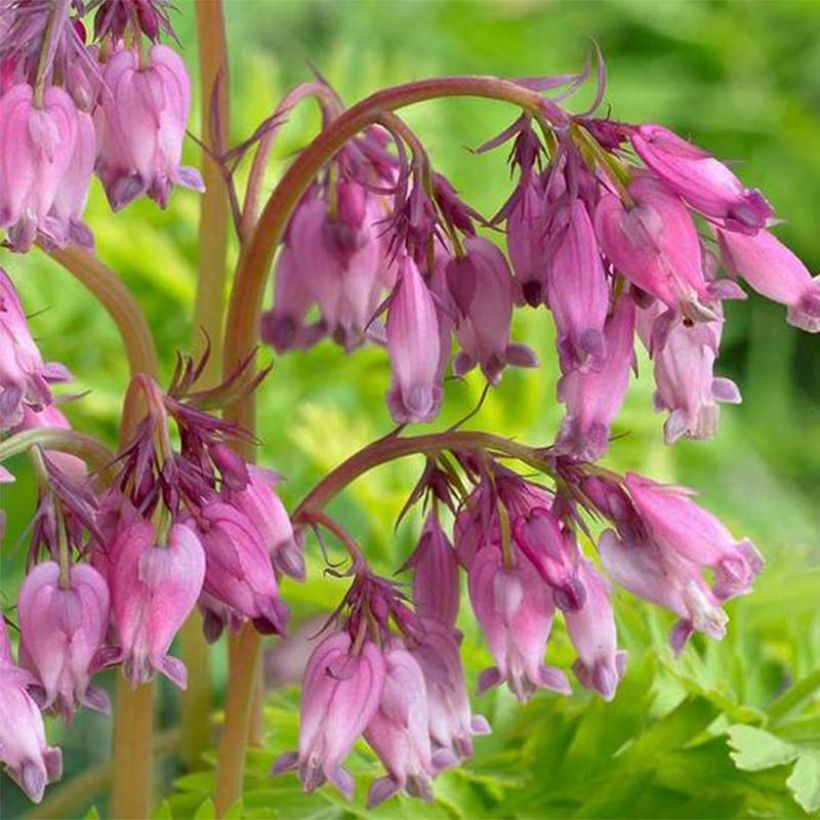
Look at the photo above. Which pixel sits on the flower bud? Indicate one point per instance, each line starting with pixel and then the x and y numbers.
pixel 61 630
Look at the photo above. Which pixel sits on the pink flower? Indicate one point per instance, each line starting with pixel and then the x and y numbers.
pixel 238 569
pixel 676 523
pixel 50 416
pixel 706 184
pixel 483 291
pixel 653 241
pixel 24 379
pixel 514 608
pixel 686 385
pixel 527 241
pixel 667 579
pixel 28 759
pixel 594 398
pixel 593 634
pixel 451 721
pixel 774 271
pixel 341 691
pixel 141 121
pixel 37 145
pixel 61 630
pixel 265 510
pixel 154 587
pixel 435 575
pixel 398 731
pixel 578 291
pixel 413 344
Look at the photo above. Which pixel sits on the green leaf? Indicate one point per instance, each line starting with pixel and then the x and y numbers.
pixel 163 811
pixel 756 749
pixel 92 814
pixel 804 781
pixel 794 696
pixel 206 811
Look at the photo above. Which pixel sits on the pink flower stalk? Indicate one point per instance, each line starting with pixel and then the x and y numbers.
pixel 61 630
pixel 665 578
pixel 593 634
pixel 705 183
pixel 339 257
pixel 553 552
pixel 413 344
pixel 265 510
pixel 154 587
pixel 238 569
pixel 527 242
pixel 483 291
pixel 452 724
pixel 50 416
pixel 341 691
pixel 29 760
pixel 72 195
pixel 436 587
pixel 37 145
pixel 514 608
pixel 684 379
pixel 594 398
pixel 578 292
pixel 398 731
pixel 653 241
pixel 24 378
pixel 775 272
pixel 677 523
pixel 141 121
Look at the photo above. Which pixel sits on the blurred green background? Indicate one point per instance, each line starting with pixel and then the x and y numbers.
pixel 724 731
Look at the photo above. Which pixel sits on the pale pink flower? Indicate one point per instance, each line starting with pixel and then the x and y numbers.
pixel 527 242
pixel 51 417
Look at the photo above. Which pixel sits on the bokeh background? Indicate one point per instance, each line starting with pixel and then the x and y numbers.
pixel 722 732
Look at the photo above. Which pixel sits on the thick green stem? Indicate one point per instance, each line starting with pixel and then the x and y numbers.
pixel 242 329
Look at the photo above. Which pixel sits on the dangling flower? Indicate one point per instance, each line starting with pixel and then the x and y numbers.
pixel 398 731
pixel 774 271
pixel 514 608
pixel 154 588
pixel 527 241
pixel 413 344
pixel 29 760
pixel 50 416
pixel 706 184
pixel 341 691
pixel 141 121
pixel 61 629
pixel 24 379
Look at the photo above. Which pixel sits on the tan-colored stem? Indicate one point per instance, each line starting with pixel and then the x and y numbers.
pixel 118 301
pixel 91 451
pixel 242 329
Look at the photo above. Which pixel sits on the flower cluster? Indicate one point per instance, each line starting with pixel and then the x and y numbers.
pixel 117 106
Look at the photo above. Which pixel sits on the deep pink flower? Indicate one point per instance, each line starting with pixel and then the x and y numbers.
pixel 527 241
pixel 238 568
pixel 483 291
pixel 141 121
pixel 774 271
pixel 260 503
pixel 398 731
pixel 675 522
pixel 665 578
pixel 578 291
pixel 413 343
pixel 436 585
pixel 341 691
pixel 653 241
pixel 684 379
pixel 451 721
pixel 37 145
pixel 24 378
pixel 154 587
pixel 593 634
pixel 593 398
pixel 61 630
pixel 28 758
pixel 705 183
pixel 514 608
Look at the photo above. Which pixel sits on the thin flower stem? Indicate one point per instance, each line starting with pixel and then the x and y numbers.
pixel 89 449
pixel 209 312
pixel 58 11
pixel 342 535
pixel 242 330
